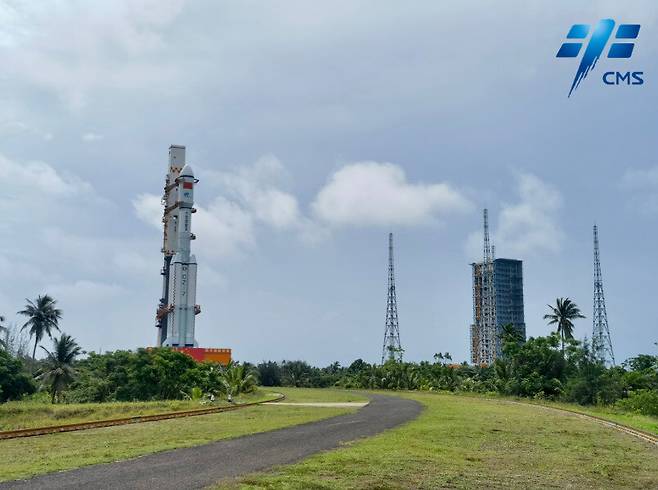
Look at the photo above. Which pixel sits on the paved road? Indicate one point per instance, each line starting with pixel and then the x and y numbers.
pixel 199 466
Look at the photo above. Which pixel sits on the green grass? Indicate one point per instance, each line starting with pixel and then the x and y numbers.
pixel 22 458
pixel 27 414
pixel 468 442
pixel 635 420
pixel 305 395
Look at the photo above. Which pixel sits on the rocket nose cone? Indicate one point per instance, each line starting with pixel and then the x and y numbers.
pixel 187 171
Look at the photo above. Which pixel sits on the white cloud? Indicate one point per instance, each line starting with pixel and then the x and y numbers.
pixel 148 208
pixel 37 194
pixel 529 226
pixel 255 188
pixel 224 228
pixel 84 290
pixel 40 178
pixel 108 50
pixel 372 193
pixel 248 196
pixel 644 179
pixel 13 127
pixel 642 185
pixel 91 137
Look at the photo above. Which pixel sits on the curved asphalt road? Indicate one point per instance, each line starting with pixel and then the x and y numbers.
pixel 200 466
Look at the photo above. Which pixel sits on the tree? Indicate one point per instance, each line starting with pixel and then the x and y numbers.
pixel 14 380
pixel 562 315
pixel 237 379
pixel 296 373
pixel 43 317
pixel 269 373
pixel 58 371
pixel 3 342
pixel 509 333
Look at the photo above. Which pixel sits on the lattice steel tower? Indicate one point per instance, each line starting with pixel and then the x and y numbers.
pixel 488 339
pixel 601 342
pixel 391 349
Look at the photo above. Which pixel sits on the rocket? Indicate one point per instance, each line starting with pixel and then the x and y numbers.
pixel 177 307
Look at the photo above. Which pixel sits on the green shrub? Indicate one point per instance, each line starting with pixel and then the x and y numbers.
pixel 14 381
pixel 641 401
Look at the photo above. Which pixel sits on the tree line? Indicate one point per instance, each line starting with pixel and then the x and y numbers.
pixel 555 367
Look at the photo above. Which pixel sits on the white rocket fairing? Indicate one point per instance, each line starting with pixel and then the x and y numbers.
pixel 177 309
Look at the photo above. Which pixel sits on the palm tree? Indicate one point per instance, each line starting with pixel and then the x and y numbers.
pixel 509 333
pixel 236 379
pixel 562 315
pixel 58 370
pixel 43 317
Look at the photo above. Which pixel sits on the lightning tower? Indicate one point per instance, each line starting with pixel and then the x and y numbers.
pixel 488 343
pixel 601 342
pixel 391 349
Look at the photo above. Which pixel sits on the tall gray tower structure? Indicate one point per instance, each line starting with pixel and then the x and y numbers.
pixel 601 342
pixel 177 307
pixel 484 330
pixel 497 301
pixel 392 349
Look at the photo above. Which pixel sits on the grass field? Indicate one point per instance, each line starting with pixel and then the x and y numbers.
pixel 22 458
pixel 27 414
pixel 468 442
pixel 300 395
pixel 635 420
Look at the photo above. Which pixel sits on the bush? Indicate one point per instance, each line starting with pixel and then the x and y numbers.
pixel 148 374
pixel 641 401
pixel 14 381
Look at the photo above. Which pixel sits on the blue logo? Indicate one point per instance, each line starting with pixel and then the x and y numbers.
pixel 597 42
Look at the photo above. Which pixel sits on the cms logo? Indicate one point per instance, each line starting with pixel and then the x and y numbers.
pixel 628 78
pixel 596 40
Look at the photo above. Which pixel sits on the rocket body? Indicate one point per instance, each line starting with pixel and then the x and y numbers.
pixel 177 309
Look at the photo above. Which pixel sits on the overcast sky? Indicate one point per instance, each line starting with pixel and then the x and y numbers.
pixel 315 129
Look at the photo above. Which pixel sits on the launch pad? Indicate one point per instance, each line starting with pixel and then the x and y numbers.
pixel 177 308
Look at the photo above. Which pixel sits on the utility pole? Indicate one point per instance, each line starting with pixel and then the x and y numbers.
pixel 391 349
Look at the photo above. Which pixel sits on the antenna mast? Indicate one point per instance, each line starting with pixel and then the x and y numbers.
pixel 488 331
pixel 391 349
pixel 601 342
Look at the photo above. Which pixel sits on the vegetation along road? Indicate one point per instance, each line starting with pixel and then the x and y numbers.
pixel 197 467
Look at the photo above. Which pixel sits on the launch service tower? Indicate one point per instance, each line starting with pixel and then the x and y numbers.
pixel 177 308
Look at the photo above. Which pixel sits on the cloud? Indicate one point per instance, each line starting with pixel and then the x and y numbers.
pixel 224 228
pixel 38 193
pixel 108 50
pixel 20 127
pixel 248 196
pixel 529 226
pixel 84 290
pixel 40 178
pixel 148 208
pixel 642 185
pixel 255 188
pixel 645 179
pixel 372 193
pixel 91 137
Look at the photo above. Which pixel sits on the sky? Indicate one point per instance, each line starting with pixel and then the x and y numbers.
pixel 316 128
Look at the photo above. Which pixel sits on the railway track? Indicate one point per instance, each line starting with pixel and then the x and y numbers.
pixel 55 429
pixel 645 436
